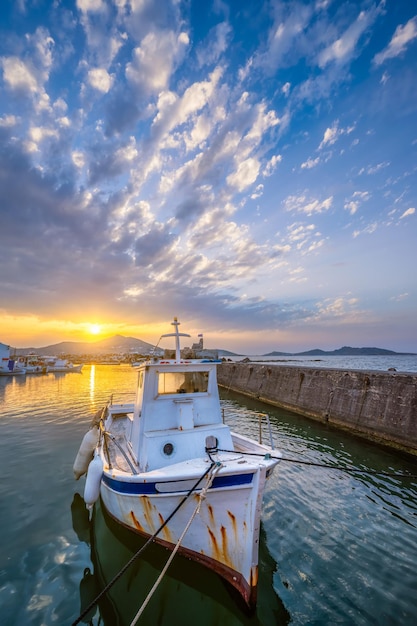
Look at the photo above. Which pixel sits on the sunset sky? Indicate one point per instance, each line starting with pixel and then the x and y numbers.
pixel 248 166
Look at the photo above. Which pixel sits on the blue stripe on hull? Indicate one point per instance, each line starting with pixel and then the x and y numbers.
pixel 150 488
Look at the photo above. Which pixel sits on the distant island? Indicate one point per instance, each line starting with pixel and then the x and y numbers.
pixel 118 344
pixel 345 351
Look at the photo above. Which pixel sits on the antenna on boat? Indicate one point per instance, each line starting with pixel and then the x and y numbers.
pixel 177 336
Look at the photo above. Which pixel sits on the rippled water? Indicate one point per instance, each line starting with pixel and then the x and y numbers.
pixel 401 363
pixel 336 547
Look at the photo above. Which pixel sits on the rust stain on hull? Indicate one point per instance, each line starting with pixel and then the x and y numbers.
pixel 225 547
pixel 211 515
pixel 220 553
pixel 216 550
pixel 165 531
pixel 234 525
pixel 248 590
pixel 147 515
pixel 148 509
pixel 136 523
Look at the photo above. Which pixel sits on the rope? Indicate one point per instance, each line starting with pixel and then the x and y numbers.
pixel 139 552
pixel 123 453
pixel 202 495
pixel 324 465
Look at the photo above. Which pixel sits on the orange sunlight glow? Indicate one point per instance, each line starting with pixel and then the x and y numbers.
pixel 32 331
pixel 94 329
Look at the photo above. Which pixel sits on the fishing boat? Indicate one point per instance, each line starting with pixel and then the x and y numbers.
pixel 167 467
pixel 32 364
pixel 53 364
pixel 8 364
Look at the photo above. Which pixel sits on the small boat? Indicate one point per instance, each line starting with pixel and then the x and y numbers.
pixel 32 364
pixel 62 365
pixel 8 364
pixel 167 467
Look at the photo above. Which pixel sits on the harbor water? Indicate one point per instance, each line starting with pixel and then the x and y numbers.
pixel 380 362
pixel 337 547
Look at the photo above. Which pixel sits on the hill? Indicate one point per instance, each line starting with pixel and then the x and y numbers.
pixel 345 351
pixel 112 345
pixel 118 344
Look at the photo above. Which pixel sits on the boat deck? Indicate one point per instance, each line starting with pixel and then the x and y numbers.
pixel 118 441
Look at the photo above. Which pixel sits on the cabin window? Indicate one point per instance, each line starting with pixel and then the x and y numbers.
pixel 182 382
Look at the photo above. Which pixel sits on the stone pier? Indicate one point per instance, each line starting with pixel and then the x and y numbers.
pixel 381 406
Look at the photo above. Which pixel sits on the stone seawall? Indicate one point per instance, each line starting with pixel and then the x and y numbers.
pixel 381 406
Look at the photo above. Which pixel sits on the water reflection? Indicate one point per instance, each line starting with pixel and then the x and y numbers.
pixel 92 382
pixel 80 519
pixel 189 594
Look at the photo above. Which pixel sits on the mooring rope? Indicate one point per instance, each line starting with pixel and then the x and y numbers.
pixel 323 465
pixel 142 549
pixel 202 495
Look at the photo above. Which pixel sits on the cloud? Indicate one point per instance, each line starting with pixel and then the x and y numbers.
pixel 8 121
pixel 357 198
pixel 374 169
pixel 341 307
pixel 310 163
pixel 173 110
pixel 214 45
pixel 26 77
pixel 286 37
pixel 344 47
pixel 407 213
pixel 100 79
pixel 303 204
pixel 272 164
pixel 403 36
pixel 155 246
pixel 245 175
pixel 155 59
pixel 91 5
pixel 18 75
pixel 258 192
pixel 400 297
pixel 304 238
pixel 384 78
pixel 367 230
pixel 332 134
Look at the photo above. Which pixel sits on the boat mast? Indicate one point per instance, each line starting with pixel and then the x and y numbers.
pixel 177 336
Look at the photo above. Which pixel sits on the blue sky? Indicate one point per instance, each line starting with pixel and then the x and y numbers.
pixel 247 166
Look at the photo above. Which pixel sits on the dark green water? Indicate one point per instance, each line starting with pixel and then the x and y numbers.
pixel 336 548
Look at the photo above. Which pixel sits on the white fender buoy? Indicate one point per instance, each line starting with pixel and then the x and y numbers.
pixel 85 453
pixel 93 480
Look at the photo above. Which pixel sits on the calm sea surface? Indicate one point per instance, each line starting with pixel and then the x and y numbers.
pixel 336 547
pixel 402 363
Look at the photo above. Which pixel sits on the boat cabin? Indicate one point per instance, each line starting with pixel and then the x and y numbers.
pixel 177 413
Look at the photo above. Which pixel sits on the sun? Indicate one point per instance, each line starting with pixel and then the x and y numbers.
pixel 94 329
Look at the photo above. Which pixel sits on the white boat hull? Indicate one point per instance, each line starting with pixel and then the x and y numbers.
pixel 224 535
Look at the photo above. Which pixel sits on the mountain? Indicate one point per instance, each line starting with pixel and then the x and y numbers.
pixel 345 351
pixel 226 353
pixel 118 344
pixel 112 345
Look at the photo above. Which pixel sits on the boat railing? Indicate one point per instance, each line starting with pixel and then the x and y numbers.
pixel 122 398
pixel 263 419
